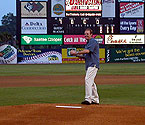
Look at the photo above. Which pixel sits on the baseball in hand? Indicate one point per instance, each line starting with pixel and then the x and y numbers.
pixel 73 52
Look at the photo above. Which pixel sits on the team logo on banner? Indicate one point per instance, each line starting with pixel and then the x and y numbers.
pixel 34 7
pixel 8 54
pixel 58 9
pixel 27 39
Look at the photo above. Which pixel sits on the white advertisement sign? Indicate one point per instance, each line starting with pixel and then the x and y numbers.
pixel 128 10
pixel 33 26
pixel 8 54
pixel 124 39
pixel 43 58
pixel 33 9
pixel 108 8
pixel 57 8
pixel 83 5
pixel 130 0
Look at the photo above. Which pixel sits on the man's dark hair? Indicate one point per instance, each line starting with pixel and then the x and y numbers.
pixel 89 29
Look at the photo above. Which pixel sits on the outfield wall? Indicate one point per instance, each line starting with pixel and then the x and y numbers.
pixel 10 55
pixel 52 56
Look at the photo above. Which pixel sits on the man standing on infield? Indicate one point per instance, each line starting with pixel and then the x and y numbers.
pixel 91 55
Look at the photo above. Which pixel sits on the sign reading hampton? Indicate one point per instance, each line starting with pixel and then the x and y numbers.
pixel 41 39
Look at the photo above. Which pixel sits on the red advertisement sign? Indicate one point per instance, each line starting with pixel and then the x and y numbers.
pixel 83 5
pixel 80 39
pixel 131 10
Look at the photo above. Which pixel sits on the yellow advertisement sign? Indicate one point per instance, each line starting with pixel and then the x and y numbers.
pixel 102 55
pixel 67 58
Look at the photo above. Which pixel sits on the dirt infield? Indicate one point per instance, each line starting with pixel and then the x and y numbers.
pixel 23 81
pixel 48 114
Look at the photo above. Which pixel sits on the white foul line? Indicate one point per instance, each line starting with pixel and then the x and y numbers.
pixel 77 107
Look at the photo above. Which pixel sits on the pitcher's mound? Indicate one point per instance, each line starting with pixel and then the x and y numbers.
pixel 56 114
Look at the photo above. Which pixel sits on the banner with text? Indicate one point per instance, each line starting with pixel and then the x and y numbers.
pixel 130 0
pixel 124 39
pixel 33 26
pixel 77 5
pixel 125 55
pixel 128 10
pixel 80 39
pixel 83 7
pixel 39 56
pixel 67 58
pixel 41 39
pixel 131 26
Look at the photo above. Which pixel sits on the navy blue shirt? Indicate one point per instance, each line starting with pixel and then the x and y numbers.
pixel 92 58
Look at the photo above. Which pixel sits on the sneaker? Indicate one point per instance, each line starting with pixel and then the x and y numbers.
pixel 95 103
pixel 86 103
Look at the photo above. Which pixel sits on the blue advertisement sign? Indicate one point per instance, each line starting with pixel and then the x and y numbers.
pixel 39 56
pixel 131 25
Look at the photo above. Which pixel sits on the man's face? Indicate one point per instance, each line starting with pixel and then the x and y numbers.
pixel 88 35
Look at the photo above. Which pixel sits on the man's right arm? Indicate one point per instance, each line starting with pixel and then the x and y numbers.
pixel 85 51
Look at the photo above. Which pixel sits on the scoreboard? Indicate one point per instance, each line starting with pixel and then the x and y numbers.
pixel 72 17
pixel 81 14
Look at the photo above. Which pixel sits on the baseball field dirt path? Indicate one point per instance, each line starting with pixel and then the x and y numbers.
pixel 23 81
pixel 49 114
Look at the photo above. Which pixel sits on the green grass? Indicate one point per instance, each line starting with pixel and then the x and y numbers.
pixel 109 94
pixel 122 69
pixel 71 69
pixel 35 70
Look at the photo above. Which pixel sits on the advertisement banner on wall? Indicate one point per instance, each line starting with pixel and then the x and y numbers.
pixel 33 26
pixel 125 55
pixel 33 9
pixel 131 25
pixel 108 8
pixel 131 10
pixel 67 58
pixel 41 39
pixel 8 54
pixel 57 8
pixel 83 7
pixel 39 56
pixel 124 39
pixel 80 39
pixel 130 0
